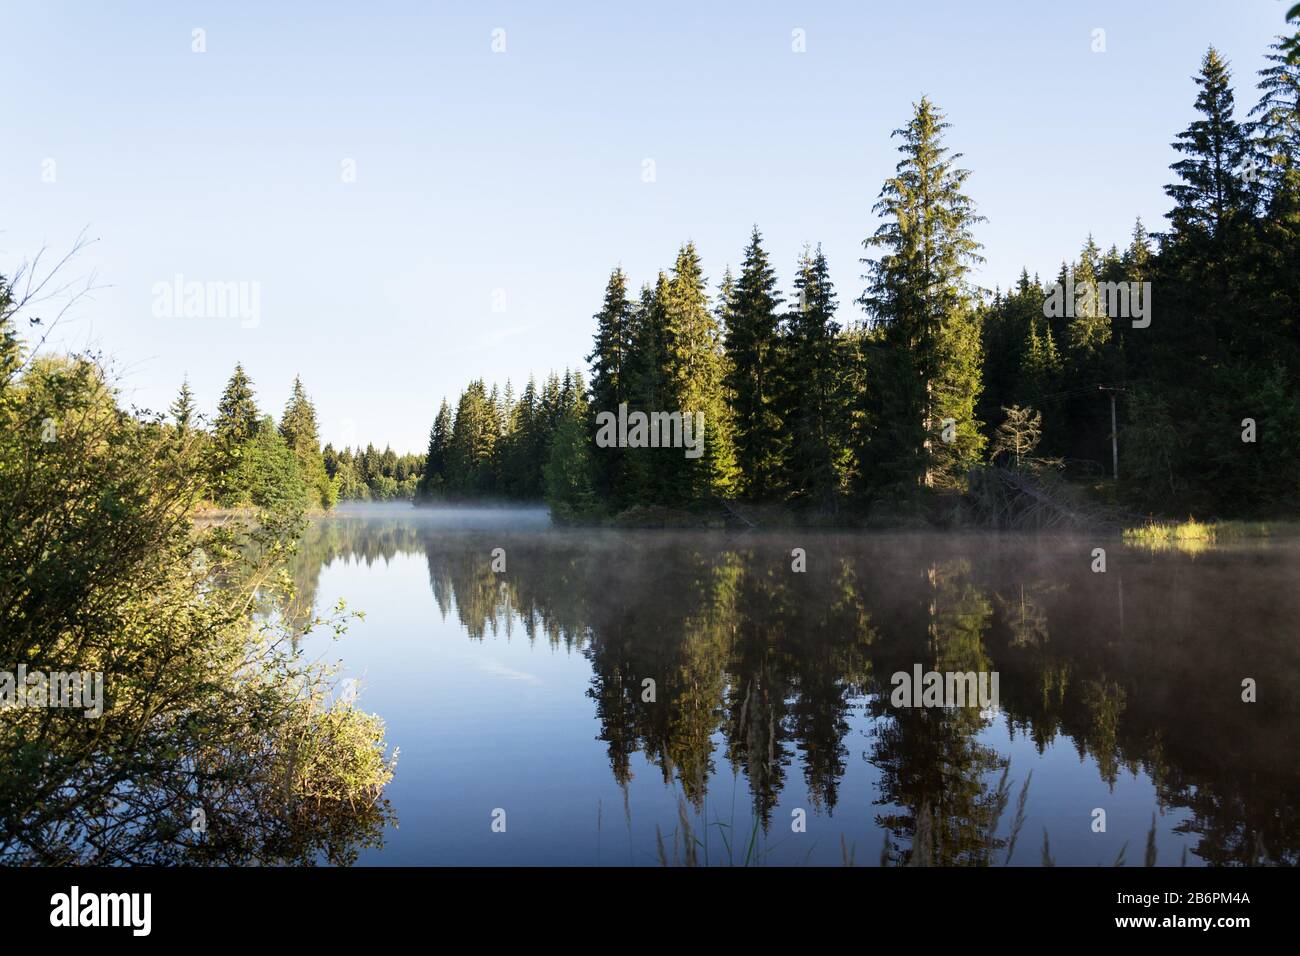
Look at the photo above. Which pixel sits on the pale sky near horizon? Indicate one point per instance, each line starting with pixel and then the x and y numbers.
pixel 494 191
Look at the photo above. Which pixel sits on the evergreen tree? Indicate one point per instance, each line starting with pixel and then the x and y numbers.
pixel 434 478
pixel 473 437
pixel 298 423
pixel 182 410
pixel 298 429
pixel 919 298
pixel 238 422
pixel 1212 191
pixel 570 467
pixel 613 345
pixel 752 356
pixel 694 368
pixel 810 388
pixel 646 479
pixel 1041 376
pixel 237 416
pixel 1277 134
pixel 1089 327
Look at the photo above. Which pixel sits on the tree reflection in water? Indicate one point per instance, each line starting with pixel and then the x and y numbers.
pixel 1138 669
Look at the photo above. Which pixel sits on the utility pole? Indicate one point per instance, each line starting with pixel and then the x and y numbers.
pixel 1114 432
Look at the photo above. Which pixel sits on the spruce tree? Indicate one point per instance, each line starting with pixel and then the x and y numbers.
pixel 920 300
pixel 569 472
pixel 298 423
pixel 433 480
pixel 237 416
pixel 182 410
pixel 1213 189
pixel 694 367
pixel 646 479
pixel 473 437
pixel 1089 327
pixel 810 388
pixel 613 344
pixel 751 346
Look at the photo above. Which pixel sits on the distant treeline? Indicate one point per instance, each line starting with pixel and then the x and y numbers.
pixel 250 461
pixel 1194 330
pixel 372 475
pixel 246 460
pixel 497 446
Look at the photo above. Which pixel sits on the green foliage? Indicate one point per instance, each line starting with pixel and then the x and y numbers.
pixel 266 474
pixel 571 468
pixel 751 309
pixel 925 348
pixel 811 390
pixel 206 704
pixel 693 381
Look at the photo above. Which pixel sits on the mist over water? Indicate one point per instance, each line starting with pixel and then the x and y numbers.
pixel 451 517
pixel 523 690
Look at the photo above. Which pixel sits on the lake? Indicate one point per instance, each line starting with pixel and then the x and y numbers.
pixel 640 697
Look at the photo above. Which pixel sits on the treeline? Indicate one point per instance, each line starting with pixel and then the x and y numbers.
pixel 1192 330
pixel 251 461
pixel 246 459
pixel 372 475
pixel 497 446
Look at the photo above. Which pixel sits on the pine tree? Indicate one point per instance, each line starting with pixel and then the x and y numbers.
pixel 1041 378
pixel 298 429
pixel 1212 191
pixel 182 410
pixel 694 367
pixel 569 473
pixel 473 437
pixel 920 302
pixel 1277 133
pixel 613 344
pixel 751 346
pixel 433 481
pixel 237 424
pixel 810 388
pixel 1089 327
pixel 237 415
pixel 646 482
pixel 298 423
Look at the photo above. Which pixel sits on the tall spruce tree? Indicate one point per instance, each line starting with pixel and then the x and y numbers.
pixel 647 480
pixel 921 304
pixel 298 429
pixel 694 368
pixel 751 345
pixel 473 436
pixel 613 345
pixel 1213 188
pixel 810 389
pixel 238 419
pixel 433 480
pixel 298 423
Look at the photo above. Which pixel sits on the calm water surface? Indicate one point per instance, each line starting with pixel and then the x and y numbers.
pixel 523 691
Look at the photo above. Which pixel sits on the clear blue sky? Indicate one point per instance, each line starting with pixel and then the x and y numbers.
pixel 522 171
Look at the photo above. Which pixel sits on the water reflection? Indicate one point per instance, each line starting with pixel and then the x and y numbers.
pixel 782 680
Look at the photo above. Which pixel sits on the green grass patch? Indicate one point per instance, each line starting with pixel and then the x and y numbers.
pixel 1193 535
